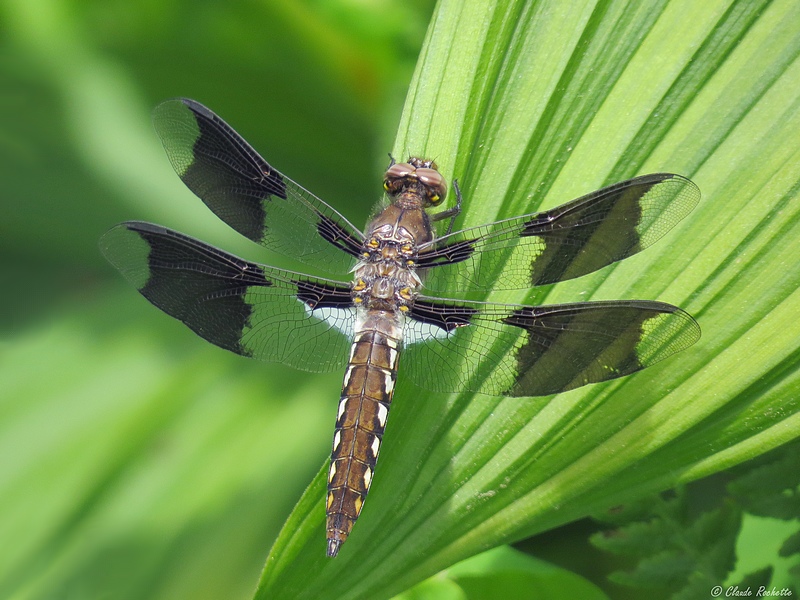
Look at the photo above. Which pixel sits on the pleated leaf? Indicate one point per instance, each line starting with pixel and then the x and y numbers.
pixel 528 105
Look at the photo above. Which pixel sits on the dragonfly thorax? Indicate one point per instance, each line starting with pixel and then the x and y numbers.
pixel 386 278
pixel 385 287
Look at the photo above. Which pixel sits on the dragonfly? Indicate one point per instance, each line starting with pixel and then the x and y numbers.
pixel 377 306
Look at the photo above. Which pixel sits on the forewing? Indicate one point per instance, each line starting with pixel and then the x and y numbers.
pixel 224 171
pixel 455 346
pixel 563 243
pixel 247 308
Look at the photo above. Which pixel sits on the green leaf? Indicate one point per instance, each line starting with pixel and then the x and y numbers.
pixel 791 545
pixel 504 573
pixel 530 104
pixel 678 552
pixel 772 489
pixel 689 541
pixel 759 549
pixel 768 490
pixel 756 579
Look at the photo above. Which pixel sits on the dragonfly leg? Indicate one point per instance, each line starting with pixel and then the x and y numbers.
pixel 452 212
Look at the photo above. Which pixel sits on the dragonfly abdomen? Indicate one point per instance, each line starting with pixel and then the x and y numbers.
pixel 361 420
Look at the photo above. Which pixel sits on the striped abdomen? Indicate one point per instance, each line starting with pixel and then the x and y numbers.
pixel 360 422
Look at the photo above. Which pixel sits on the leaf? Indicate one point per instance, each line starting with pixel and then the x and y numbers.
pixel 530 104
pixel 772 489
pixel 768 491
pixel 759 549
pixel 677 552
pixel 506 573
pixel 755 580
pixel 791 545
pixel 689 540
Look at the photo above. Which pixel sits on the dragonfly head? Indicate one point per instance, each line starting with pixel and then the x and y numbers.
pixel 419 176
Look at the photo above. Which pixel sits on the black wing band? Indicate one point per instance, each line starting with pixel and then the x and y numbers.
pixel 243 190
pixel 569 345
pixel 250 309
pixel 568 241
pixel 454 346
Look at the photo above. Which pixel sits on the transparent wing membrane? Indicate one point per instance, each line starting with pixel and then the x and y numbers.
pixel 243 190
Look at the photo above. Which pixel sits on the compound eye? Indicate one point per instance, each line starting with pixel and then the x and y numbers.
pixel 393 179
pixel 398 171
pixel 434 183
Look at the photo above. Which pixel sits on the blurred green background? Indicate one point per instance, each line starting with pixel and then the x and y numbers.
pixel 139 461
